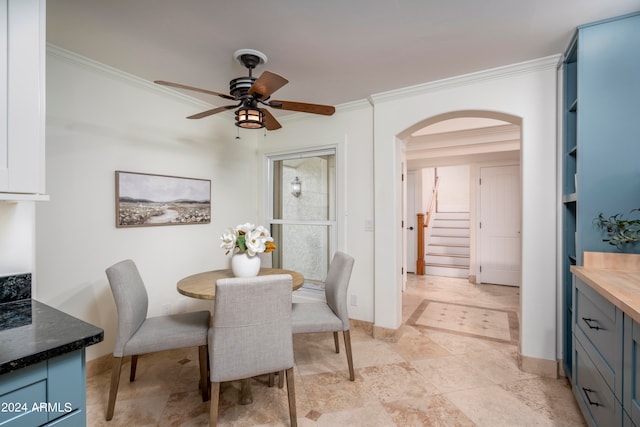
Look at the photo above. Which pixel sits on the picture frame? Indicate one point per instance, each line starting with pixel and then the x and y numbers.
pixel 146 200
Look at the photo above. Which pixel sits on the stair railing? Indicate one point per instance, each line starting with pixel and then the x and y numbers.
pixel 423 223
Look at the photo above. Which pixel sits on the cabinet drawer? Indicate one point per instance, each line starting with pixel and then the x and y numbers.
pixel 600 322
pixel 592 392
pixel 16 406
pixel 76 418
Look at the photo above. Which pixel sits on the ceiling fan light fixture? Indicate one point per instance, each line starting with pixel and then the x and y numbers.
pixel 250 118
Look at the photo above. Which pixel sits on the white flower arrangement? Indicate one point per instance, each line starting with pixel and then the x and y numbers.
pixel 247 238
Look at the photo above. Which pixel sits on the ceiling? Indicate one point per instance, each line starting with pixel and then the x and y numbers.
pixel 331 51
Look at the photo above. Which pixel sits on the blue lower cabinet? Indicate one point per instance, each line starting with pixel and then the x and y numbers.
pixel 21 393
pixel 76 418
pixel 631 397
pixel 66 384
pixel 45 394
pixel 597 401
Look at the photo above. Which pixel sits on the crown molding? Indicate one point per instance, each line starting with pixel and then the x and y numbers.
pixel 83 61
pixel 340 108
pixel 549 62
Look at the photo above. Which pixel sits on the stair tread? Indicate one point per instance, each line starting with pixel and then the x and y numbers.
pixel 449 245
pixel 446 255
pixel 459 267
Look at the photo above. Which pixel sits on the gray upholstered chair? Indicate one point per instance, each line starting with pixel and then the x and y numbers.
pixel 138 334
pixel 251 333
pixel 331 316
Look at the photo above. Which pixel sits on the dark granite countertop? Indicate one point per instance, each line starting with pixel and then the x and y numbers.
pixel 31 332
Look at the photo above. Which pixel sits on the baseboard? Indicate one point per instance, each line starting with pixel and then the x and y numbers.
pixel 99 365
pixel 377 332
pixel 542 367
pixel 561 372
pixel 367 327
pixel 384 334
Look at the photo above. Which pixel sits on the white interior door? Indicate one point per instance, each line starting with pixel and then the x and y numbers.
pixel 500 220
pixel 412 245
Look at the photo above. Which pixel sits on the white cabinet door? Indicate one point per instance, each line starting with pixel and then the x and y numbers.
pixel 23 84
pixel 4 160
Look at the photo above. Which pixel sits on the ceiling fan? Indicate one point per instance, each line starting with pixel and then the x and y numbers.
pixel 251 92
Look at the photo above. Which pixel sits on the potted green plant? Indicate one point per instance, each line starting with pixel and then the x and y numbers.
pixel 621 231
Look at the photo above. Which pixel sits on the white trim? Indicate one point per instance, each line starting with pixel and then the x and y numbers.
pixel 78 59
pixel 471 78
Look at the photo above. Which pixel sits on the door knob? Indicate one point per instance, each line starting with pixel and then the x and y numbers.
pixel 410 228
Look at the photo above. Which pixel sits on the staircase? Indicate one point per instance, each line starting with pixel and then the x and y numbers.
pixel 447 252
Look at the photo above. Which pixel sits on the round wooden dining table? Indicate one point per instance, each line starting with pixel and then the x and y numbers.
pixel 203 285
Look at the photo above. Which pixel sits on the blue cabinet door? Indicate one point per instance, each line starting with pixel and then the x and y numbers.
pixel 608 126
pixel 631 397
pixel 66 384
pixel 20 392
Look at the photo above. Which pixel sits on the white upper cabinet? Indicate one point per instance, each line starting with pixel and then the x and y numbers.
pixel 22 99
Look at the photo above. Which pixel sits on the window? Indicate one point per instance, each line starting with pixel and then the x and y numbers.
pixel 303 225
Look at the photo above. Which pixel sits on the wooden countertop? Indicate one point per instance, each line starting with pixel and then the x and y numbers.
pixel 614 276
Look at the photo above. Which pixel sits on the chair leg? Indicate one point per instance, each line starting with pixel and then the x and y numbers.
pixel 113 390
pixel 347 345
pixel 272 380
pixel 134 365
pixel 336 340
pixel 203 354
pixel 215 396
pixel 280 379
pixel 291 393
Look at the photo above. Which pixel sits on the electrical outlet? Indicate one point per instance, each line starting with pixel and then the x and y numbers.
pixel 354 300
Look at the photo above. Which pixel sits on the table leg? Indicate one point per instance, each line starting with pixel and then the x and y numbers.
pixel 246 397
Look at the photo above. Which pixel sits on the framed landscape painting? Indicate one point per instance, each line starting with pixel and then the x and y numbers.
pixel 148 200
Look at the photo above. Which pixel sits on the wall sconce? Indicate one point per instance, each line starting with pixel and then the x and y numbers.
pixel 296 187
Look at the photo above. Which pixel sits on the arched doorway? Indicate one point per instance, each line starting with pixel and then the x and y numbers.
pixel 476 143
pixel 484 146
pixel 526 91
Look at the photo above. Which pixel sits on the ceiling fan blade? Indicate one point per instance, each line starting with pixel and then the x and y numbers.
pixel 266 84
pixel 197 89
pixel 326 110
pixel 270 122
pixel 212 112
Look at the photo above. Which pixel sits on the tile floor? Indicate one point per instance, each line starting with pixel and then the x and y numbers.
pixel 455 365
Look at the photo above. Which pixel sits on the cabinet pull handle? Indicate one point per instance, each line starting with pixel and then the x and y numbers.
pixel 588 322
pixel 586 393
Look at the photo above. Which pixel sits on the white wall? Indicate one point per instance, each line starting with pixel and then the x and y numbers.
pixel 453 192
pixel 17 238
pixel 99 121
pixel 350 130
pixel 525 90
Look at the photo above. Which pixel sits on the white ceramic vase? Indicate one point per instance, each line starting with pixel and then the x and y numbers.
pixel 243 265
